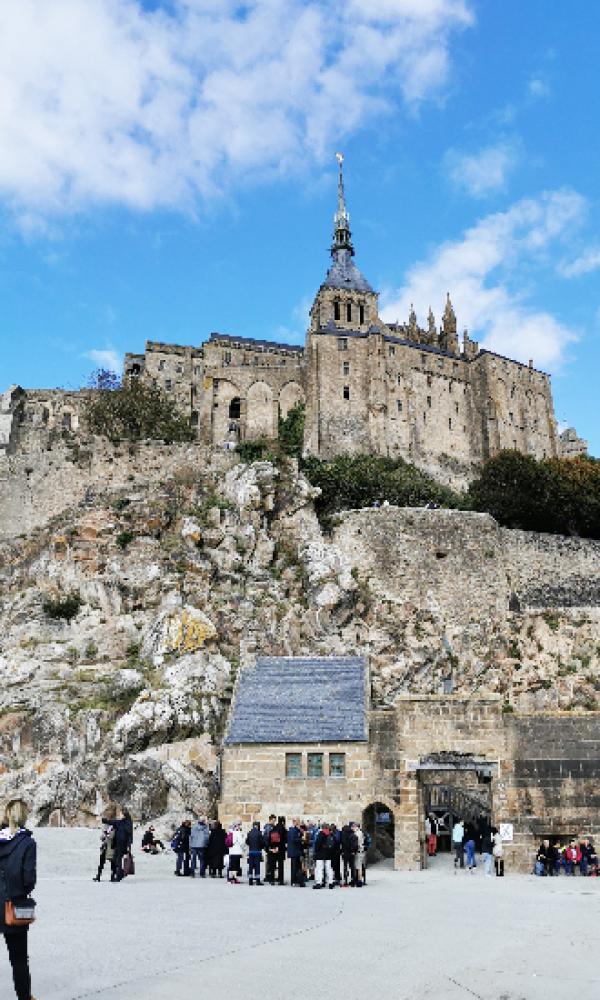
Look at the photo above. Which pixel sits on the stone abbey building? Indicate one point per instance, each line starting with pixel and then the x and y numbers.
pixel 399 390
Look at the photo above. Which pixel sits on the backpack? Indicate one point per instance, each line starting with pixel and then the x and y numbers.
pixel 274 838
pixel 176 842
pixel 229 840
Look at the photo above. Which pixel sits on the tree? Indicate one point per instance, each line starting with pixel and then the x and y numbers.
pixel 291 431
pixel 133 410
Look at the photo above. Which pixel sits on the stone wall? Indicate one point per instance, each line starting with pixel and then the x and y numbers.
pixel 254 783
pixel 551 570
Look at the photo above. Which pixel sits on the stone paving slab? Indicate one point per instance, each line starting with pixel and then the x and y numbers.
pixel 406 936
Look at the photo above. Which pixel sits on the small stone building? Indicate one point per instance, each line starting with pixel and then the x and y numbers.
pixel 303 741
pixel 298 741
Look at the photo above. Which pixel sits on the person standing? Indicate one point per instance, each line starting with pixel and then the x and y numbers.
pixel 216 850
pixel 255 843
pixel 324 849
pixel 182 842
pixel 107 834
pixel 294 853
pixel 487 850
pixel 336 857
pixel 432 835
pixel 498 852
pixel 198 844
pixel 18 855
pixel 470 849
pixel 572 857
pixel 270 848
pixel 458 838
pixel 236 850
pixel 361 856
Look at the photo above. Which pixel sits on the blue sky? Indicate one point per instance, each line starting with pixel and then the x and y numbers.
pixel 167 170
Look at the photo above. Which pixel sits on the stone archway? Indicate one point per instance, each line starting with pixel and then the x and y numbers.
pixel 259 413
pixel 378 822
pixel 454 786
pixel 291 394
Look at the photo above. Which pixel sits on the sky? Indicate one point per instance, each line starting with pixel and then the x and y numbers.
pixel 167 170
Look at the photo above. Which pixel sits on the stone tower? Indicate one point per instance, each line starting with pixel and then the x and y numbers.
pixel 339 348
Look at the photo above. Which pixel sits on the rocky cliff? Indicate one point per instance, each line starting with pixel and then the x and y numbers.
pixel 147 581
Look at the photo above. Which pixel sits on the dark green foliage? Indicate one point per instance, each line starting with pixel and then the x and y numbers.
pixel 133 410
pixel 124 539
pixel 558 495
pixel 348 482
pixel 66 607
pixel 291 431
pixel 260 449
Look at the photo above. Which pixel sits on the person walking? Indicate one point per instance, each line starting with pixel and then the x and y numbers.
pixel 470 849
pixel 324 849
pixel 294 853
pixel 255 843
pixel 216 850
pixel 458 838
pixel 498 852
pixel 487 850
pixel 236 850
pixel 107 834
pixel 199 837
pixel 18 855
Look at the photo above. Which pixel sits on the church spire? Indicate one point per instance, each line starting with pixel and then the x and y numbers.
pixel 342 237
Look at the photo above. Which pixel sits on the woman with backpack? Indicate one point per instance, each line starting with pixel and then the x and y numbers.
pixel 17 881
pixel 216 850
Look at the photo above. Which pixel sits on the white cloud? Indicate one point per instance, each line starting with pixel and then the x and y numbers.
pixel 538 87
pixel 107 358
pixel 114 103
pixel 483 172
pixel 484 272
pixel 584 264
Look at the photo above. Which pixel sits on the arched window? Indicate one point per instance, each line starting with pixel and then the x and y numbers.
pixel 235 408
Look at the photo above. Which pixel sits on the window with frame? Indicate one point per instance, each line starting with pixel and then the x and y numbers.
pixel 168 385
pixel 346 368
pixel 362 314
pixel 429 402
pixel 349 312
pixel 336 309
pixel 314 765
pixel 161 365
pixel 342 343
pixel 399 406
pixel 293 765
pixel 391 351
pixel 346 392
pixel 337 765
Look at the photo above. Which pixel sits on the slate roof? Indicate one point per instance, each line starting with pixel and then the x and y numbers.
pixel 285 699
pixel 344 273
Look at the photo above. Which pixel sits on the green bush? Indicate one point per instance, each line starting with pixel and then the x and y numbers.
pixel 558 495
pixel 291 431
pixel 260 449
pixel 354 481
pixel 124 538
pixel 62 607
pixel 133 410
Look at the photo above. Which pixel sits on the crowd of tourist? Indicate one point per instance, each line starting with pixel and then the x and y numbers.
pixel 553 858
pixel 317 852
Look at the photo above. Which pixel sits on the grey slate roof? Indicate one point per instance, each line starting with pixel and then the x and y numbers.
pixel 344 273
pixel 285 699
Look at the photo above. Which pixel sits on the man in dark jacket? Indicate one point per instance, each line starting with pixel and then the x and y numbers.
pixel 276 845
pixel 294 852
pixel 17 881
pixel 345 834
pixel 324 850
pixel 271 855
pixel 183 848
pixel 336 857
pixel 256 844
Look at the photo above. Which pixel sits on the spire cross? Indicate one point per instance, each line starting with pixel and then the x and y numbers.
pixel 341 237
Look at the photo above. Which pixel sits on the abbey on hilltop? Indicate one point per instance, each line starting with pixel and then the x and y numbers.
pixel 393 389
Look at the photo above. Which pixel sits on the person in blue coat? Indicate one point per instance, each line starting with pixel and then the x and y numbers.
pixel 17 881
pixel 294 852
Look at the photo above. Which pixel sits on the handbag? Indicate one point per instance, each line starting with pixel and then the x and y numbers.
pixel 128 865
pixel 19 913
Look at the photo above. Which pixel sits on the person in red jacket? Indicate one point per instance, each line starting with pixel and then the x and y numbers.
pixel 572 857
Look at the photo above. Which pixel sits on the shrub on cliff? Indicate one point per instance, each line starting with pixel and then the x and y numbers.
pixel 558 495
pixel 352 481
pixel 288 443
pixel 133 410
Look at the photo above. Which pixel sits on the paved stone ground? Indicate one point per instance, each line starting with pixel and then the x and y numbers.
pixel 411 936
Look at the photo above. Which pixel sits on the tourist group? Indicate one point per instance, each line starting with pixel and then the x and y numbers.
pixel 317 852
